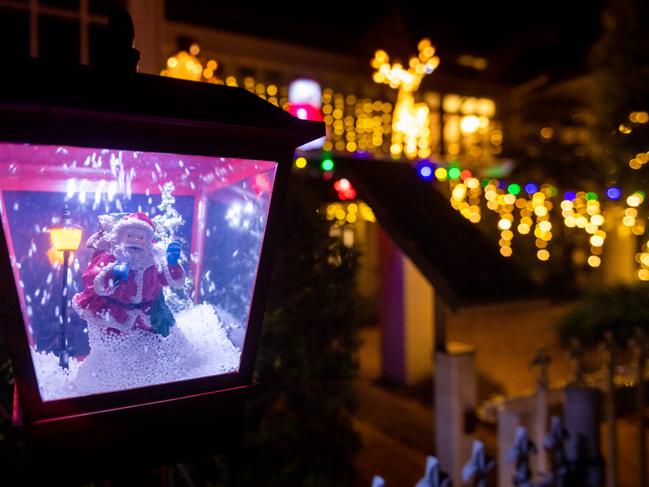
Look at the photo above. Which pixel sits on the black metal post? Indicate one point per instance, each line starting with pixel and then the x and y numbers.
pixel 63 342
pixel 638 344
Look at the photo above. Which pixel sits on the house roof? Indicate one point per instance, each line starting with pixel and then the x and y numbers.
pixel 463 264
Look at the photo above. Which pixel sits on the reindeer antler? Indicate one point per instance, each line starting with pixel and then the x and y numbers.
pixel 405 79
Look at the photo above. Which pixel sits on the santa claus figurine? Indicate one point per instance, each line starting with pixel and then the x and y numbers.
pixel 124 280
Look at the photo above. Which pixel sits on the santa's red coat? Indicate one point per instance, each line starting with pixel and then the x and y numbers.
pixel 124 305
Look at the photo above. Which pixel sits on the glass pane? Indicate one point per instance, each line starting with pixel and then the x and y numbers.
pixel 69 4
pixel 163 252
pixel 14 33
pixel 58 39
pixel 105 6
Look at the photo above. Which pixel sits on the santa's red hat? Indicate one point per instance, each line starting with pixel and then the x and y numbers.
pixel 135 220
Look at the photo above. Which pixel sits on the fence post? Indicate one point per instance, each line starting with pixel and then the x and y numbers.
pixel 540 416
pixel 455 402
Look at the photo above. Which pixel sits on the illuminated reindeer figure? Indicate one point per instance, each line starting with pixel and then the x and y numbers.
pixel 410 120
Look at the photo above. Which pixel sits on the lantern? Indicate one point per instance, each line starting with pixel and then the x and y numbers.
pixel 172 191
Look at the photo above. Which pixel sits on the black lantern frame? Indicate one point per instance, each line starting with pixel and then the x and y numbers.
pixel 88 107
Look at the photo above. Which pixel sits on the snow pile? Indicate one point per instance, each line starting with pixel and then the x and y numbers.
pixel 197 347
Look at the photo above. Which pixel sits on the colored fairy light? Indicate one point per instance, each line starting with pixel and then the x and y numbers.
pixel 514 189
pixel 300 162
pixel 531 188
pixel 613 193
pixel 454 173
pixel 425 170
pixel 342 184
pixel 466 174
pixel 345 189
pixel 591 196
pixel 327 164
pixel 441 174
pixel 570 195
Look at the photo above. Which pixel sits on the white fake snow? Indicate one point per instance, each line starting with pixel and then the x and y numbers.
pixel 197 347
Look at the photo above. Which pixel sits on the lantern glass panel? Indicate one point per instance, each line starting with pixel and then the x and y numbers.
pixel 160 288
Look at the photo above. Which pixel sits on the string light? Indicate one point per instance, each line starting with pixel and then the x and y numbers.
pixel 365 125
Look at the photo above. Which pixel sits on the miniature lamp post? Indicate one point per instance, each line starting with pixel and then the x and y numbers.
pixel 65 238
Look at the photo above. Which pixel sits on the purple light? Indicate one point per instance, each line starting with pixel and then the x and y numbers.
pixel 531 188
pixel 570 195
pixel 613 193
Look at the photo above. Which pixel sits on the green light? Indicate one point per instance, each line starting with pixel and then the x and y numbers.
pixel 454 173
pixel 514 189
pixel 642 194
pixel 484 182
pixel 327 165
pixel 591 196
pixel 554 192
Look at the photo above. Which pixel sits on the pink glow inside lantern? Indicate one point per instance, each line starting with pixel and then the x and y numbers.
pixel 167 238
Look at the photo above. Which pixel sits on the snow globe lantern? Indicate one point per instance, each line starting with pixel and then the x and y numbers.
pixel 137 226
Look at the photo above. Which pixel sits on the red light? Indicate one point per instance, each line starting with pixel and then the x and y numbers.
pixel 345 189
pixel 466 174
pixel 304 111
pixel 342 185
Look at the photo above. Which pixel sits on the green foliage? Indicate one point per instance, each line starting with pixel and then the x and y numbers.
pixel 621 70
pixel 300 432
pixel 618 309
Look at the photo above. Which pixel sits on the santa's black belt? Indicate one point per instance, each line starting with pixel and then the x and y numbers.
pixel 141 305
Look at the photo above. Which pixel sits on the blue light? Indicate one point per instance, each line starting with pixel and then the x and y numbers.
pixel 570 195
pixel 426 170
pixel 613 193
pixel 531 188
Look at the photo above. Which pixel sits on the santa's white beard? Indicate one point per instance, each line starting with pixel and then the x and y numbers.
pixel 136 259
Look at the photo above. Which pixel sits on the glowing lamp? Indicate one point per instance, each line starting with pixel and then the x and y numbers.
pixel 305 103
pixel 66 238
pixel 469 124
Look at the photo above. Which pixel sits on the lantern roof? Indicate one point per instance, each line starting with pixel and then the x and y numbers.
pixel 78 89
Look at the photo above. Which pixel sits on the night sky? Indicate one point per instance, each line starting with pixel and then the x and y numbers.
pixel 542 37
